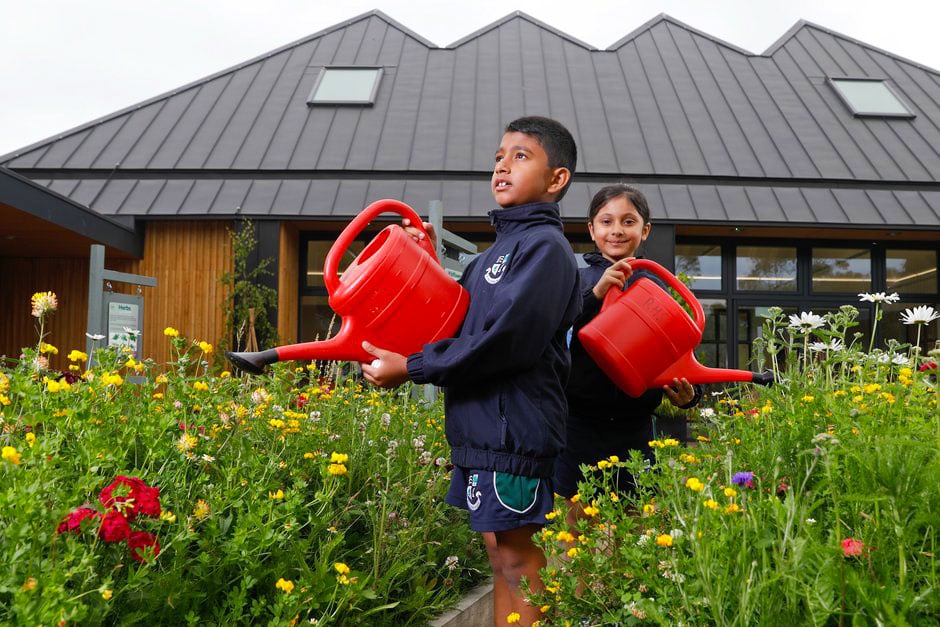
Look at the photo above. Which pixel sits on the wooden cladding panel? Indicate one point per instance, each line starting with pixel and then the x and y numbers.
pixel 288 280
pixel 187 258
pixel 20 278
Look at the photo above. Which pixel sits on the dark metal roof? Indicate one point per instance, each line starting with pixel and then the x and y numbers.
pixel 724 134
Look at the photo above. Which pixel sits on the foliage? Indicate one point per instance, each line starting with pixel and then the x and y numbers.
pixel 811 502
pixel 246 292
pixel 280 498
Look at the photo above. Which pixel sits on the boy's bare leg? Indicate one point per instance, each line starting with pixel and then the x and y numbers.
pixel 517 557
pixel 502 600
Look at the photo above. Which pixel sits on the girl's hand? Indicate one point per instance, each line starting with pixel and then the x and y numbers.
pixel 616 275
pixel 680 392
pixel 387 370
pixel 418 235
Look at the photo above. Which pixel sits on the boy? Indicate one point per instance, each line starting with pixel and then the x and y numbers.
pixel 506 370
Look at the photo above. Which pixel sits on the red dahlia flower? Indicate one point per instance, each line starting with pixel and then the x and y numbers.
pixel 114 527
pixel 852 547
pixel 73 522
pixel 138 543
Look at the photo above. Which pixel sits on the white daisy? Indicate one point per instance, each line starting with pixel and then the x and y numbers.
pixel 879 297
pixel 806 321
pixel 924 314
pixel 835 345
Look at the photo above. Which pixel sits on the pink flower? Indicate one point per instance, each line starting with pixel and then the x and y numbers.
pixel 73 522
pixel 138 543
pixel 852 547
pixel 114 527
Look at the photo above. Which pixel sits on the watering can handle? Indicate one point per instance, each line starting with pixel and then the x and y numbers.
pixel 670 279
pixel 360 222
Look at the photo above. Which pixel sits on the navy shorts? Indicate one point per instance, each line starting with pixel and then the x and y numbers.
pixel 499 501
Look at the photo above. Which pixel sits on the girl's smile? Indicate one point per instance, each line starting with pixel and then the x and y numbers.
pixel 618 229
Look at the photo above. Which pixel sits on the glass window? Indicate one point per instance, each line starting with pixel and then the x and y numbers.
pixel 346 85
pixel 701 263
pixel 316 257
pixel 892 327
pixel 870 97
pixel 317 320
pixel 766 268
pixel 911 271
pixel 713 351
pixel 841 270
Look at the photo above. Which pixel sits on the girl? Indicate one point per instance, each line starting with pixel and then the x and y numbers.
pixel 602 419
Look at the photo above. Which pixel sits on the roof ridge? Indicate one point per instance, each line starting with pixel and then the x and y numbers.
pixel 519 15
pixel 801 24
pixel 205 79
pixel 664 17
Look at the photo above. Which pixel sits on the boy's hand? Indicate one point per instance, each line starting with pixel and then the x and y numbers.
pixel 615 275
pixel 417 234
pixel 680 392
pixel 387 370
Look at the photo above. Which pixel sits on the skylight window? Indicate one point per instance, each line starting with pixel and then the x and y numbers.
pixel 346 85
pixel 870 97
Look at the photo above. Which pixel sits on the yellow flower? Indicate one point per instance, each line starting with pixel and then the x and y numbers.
pixel 694 484
pixel 839 393
pixel 872 387
pixel 107 594
pixel 731 493
pixel 158 395
pixel 603 464
pixel 31 439
pixel 200 386
pixel 77 355
pixel 513 618
pixel 732 508
pixel 808 399
pixel 341 568
pixel 112 379
pixel 614 459
pixel 205 347
pixel 339 458
pixel 576 497
pixel 171 332
pixel 44 303
pixel 711 504
pixel 10 454
pixel 590 510
pixel 161 378
pixel 545 608
pixel 649 508
pixel 343 579
pixel 225 374
pixel 168 516
pixel 905 371
pixel 278 495
pixel 29 585
pixel 573 551
pixel 337 469
pixel 285 584
pixel 202 509
pixel 186 443
pixel 565 536
pixel 309 455
pixel 48 349
pixel 664 540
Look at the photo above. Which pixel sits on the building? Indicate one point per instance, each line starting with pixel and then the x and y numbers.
pixel 799 177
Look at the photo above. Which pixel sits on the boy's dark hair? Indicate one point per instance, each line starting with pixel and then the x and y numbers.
pixel 608 193
pixel 555 139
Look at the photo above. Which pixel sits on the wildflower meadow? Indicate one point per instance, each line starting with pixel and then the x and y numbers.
pixel 812 502
pixel 134 492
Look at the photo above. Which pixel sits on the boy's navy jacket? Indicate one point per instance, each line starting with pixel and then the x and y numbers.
pixel 590 392
pixel 506 369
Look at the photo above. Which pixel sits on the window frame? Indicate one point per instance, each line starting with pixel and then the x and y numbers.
pixel 859 113
pixel 313 102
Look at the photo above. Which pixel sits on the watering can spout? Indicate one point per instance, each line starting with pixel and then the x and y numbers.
pixel 252 362
pixel 689 368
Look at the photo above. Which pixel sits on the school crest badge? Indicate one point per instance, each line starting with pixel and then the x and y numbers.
pixel 496 271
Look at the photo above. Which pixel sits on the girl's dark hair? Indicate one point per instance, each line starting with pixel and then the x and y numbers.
pixel 608 193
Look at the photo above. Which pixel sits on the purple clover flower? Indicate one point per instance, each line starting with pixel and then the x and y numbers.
pixel 745 478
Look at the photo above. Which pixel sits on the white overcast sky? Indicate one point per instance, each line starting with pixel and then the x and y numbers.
pixel 65 62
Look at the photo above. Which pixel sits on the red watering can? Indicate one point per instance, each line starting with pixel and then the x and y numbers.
pixel 395 294
pixel 642 338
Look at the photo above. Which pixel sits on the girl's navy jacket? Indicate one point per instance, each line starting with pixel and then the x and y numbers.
pixel 506 369
pixel 590 392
